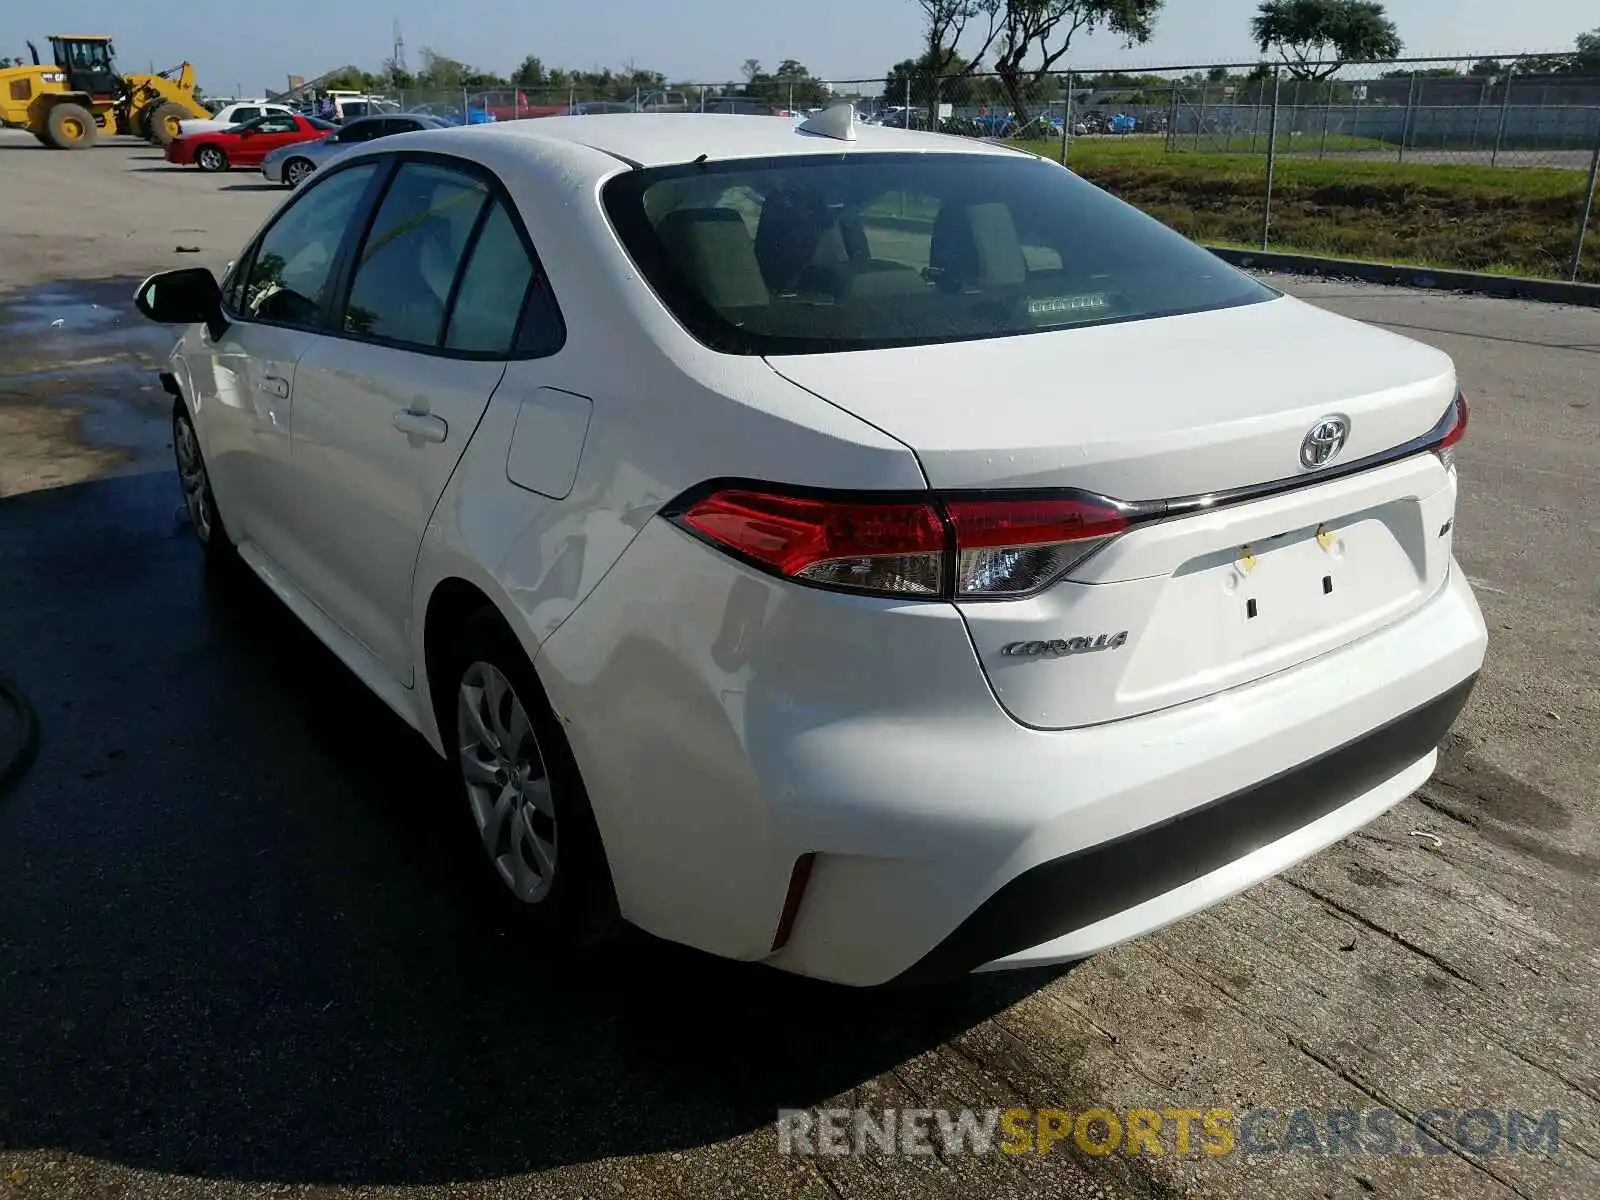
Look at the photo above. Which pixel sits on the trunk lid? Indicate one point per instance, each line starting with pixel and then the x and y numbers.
pixel 1181 608
pixel 1176 406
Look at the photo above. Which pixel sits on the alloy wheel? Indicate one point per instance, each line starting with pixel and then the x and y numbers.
pixel 297 171
pixel 193 478
pixel 508 787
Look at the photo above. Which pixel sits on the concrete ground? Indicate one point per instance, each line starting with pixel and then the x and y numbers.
pixel 240 954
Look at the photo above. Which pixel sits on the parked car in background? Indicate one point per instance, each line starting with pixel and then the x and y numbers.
pixel 246 145
pixel 992 124
pixel 239 113
pixel 451 115
pixel 742 105
pixel 1123 123
pixel 595 108
pixel 353 108
pixel 666 102
pixel 514 105
pixel 293 164
pixel 873 592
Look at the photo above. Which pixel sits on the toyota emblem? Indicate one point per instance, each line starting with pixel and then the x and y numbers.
pixel 1323 443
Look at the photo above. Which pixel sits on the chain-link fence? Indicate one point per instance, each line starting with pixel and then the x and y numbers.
pixel 1453 113
pixel 1487 164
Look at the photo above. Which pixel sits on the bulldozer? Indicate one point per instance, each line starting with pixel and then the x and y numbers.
pixel 68 103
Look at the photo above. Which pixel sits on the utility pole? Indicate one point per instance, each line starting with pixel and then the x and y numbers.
pixel 398 57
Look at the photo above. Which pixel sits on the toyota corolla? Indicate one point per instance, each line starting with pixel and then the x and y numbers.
pixel 877 554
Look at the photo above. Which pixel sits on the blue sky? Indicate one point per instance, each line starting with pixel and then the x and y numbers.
pixel 254 46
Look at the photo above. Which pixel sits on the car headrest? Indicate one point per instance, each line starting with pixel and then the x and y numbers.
pixel 976 245
pixel 790 235
pixel 713 248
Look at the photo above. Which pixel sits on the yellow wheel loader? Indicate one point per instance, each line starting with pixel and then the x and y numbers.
pixel 69 103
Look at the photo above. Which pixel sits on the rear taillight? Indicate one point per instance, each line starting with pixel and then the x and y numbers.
pixel 891 549
pixel 1015 547
pixel 1452 428
pixel 947 547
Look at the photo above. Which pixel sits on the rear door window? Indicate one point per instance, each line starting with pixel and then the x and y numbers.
pixel 493 288
pixel 407 264
pixel 359 131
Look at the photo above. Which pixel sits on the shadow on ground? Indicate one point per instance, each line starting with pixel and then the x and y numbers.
pixel 235 941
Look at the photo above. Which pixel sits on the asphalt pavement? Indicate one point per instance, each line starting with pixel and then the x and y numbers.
pixel 244 950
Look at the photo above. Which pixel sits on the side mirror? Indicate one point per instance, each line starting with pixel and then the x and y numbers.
pixel 183 297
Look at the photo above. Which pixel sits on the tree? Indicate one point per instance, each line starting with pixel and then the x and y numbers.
pixel 945 26
pixel 901 79
pixel 792 83
pixel 935 77
pixel 1585 62
pixel 1314 38
pixel 439 71
pixel 1485 68
pixel 1034 35
pixel 530 73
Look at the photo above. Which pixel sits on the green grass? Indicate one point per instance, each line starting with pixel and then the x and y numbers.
pixel 1470 217
pixel 1090 154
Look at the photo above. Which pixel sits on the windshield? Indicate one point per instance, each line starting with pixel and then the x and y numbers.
pixel 851 252
pixel 319 123
pixel 88 56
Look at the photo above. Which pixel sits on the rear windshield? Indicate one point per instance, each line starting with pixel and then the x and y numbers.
pixel 860 251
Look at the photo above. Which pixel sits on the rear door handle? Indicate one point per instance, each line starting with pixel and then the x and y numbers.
pixel 423 425
pixel 274 385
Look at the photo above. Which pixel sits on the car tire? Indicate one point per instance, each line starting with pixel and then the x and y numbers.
pixel 211 158
pixel 71 127
pixel 297 170
pixel 538 844
pixel 195 480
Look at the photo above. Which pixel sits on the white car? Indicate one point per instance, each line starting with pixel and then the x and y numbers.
pixel 234 114
pixel 876 554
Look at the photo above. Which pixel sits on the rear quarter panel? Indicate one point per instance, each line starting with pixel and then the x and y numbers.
pixel 667 414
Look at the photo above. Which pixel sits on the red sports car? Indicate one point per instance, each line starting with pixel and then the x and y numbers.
pixel 246 145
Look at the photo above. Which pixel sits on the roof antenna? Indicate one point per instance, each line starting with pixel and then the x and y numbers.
pixel 837 121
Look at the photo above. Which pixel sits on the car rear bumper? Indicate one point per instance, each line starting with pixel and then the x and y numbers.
pixel 734 724
pixel 1081 902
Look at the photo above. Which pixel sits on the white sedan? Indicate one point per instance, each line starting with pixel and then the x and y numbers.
pixel 876 554
pixel 233 114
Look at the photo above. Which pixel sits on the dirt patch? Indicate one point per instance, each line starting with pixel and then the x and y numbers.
pixel 44 450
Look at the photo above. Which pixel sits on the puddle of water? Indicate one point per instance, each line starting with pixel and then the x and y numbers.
pixel 79 308
pixel 54 316
pixel 82 346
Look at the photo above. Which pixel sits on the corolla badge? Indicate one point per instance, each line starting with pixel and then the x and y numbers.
pixel 1324 441
pixel 1064 647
